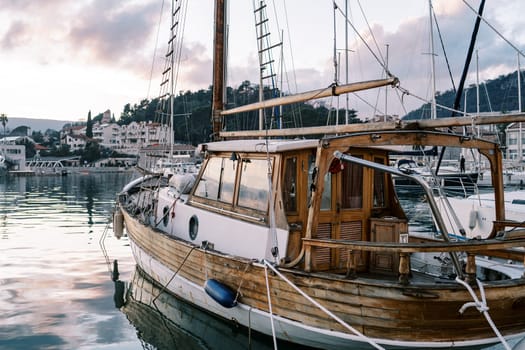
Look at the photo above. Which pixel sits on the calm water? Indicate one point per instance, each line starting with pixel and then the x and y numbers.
pixel 56 291
pixel 55 286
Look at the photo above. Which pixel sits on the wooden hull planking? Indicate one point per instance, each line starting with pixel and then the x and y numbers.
pixel 408 315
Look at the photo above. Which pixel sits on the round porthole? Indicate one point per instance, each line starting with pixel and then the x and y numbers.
pixel 193 227
pixel 165 215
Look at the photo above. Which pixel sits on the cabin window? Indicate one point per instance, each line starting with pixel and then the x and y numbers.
pixel 326 198
pixel 227 183
pixel 208 186
pixel 290 185
pixel 253 190
pixel 379 185
pixel 352 186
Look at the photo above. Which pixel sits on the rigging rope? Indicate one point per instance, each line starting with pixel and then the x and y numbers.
pixel 380 61
pixel 270 306
pixel 444 51
pixel 155 49
pixel 494 29
pixel 321 307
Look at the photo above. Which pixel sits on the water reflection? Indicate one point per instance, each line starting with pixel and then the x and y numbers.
pixel 167 322
pixel 55 291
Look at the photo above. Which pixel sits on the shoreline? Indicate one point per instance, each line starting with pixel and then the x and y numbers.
pixel 64 171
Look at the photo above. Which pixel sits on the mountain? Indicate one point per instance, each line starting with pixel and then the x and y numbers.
pixel 35 124
pixel 496 95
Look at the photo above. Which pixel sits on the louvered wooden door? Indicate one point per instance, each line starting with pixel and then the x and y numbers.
pixel 342 215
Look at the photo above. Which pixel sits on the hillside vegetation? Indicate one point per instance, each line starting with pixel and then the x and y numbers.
pixel 497 95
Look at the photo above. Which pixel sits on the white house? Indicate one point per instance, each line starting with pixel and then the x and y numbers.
pixel 14 154
pixel 107 135
pixel 75 142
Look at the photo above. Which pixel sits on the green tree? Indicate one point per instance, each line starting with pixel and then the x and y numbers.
pixel 89 126
pixel 3 120
pixel 91 152
pixel 37 136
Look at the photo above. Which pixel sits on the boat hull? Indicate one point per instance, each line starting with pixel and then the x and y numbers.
pixel 389 314
pixel 457 182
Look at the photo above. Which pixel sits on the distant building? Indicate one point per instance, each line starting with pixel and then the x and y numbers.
pixel 75 142
pixel 515 142
pixel 107 135
pixel 13 152
pixel 73 130
pixel 106 117
pixel 135 136
pixel 126 139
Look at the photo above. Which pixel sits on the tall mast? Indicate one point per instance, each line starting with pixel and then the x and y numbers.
pixel 520 136
pixel 172 79
pixel 219 63
pixel 459 91
pixel 346 60
pixel 432 63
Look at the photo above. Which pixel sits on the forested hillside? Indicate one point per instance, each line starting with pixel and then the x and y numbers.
pixel 192 112
pixel 497 95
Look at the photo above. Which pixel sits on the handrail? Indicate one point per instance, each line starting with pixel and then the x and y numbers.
pixel 428 247
pixel 419 180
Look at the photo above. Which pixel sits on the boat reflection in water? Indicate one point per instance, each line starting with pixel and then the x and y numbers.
pixel 167 322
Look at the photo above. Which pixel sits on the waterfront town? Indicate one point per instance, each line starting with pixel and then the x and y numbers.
pixel 117 145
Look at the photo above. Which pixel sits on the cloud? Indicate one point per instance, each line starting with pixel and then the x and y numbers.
pixel 109 32
pixel 114 33
pixel 16 35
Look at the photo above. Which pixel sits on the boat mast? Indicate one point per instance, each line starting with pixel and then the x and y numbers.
pixel 468 59
pixel 219 64
pixel 346 60
pixel 172 79
pixel 520 136
pixel 432 63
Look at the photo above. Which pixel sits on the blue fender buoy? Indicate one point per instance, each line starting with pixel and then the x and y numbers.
pixel 221 293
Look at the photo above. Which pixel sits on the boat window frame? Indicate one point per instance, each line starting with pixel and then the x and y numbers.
pixel 233 208
pixel 382 176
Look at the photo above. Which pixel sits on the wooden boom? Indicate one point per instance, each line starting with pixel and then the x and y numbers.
pixel 381 126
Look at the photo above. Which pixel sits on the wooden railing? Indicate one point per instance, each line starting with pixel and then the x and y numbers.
pixel 471 248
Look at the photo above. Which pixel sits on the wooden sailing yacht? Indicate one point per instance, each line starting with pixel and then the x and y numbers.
pixel 306 240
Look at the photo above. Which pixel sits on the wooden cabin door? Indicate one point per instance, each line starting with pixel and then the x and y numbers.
pixel 344 212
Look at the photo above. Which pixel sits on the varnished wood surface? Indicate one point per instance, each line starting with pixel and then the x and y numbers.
pixel 377 307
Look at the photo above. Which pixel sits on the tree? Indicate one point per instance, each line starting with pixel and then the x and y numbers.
pixel 37 136
pixel 91 152
pixel 3 120
pixel 89 126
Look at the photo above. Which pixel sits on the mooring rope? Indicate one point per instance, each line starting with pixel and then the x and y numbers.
pixel 101 243
pixel 174 274
pixel 325 310
pixel 482 307
pixel 270 304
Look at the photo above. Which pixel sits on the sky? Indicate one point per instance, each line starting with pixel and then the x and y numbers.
pixel 60 59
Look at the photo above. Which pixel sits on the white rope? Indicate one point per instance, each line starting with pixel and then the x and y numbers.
pixel 325 310
pixel 270 306
pixel 482 307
